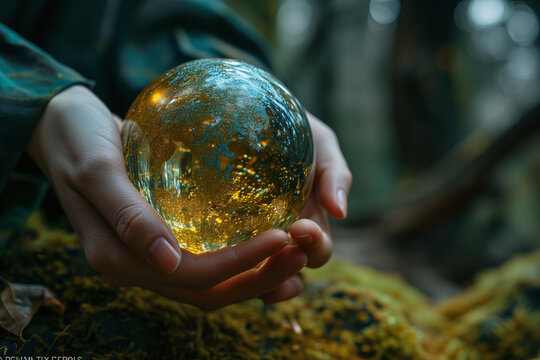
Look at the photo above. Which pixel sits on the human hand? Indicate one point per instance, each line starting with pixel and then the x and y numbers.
pixel 333 181
pixel 77 145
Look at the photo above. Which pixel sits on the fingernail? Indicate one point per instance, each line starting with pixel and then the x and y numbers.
pixel 163 255
pixel 305 239
pixel 342 201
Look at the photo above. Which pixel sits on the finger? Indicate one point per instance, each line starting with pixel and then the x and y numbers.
pixel 137 224
pixel 118 121
pixel 248 285
pixel 99 175
pixel 104 251
pixel 202 272
pixel 109 255
pixel 289 289
pixel 316 243
pixel 333 177
pixel 88 159
pixel 214 267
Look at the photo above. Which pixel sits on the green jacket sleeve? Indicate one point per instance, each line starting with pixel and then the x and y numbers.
pixel 29 78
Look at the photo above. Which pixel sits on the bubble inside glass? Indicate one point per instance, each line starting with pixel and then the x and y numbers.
pixel 222 150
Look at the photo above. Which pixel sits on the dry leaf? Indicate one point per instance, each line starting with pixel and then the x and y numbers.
pixel 20 302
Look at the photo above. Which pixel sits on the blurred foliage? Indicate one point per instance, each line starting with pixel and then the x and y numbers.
pixel 261 14
pixel 436 108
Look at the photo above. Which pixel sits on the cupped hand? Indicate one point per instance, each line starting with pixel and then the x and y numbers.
pixel 333 181
pixel 77 145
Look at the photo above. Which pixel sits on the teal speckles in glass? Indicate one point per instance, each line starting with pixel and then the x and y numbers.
pixel 222 150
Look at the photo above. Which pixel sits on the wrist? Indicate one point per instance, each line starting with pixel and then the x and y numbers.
pixel 53 129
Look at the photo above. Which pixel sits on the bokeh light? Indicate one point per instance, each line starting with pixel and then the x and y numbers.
pixel 499 38
pixel 520 69
pixel 485 13
pixel 523 25
pixel 294 22
pixel 384 11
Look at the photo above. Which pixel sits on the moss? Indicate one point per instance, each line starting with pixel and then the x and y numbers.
pixel 500 314
pixel 346 312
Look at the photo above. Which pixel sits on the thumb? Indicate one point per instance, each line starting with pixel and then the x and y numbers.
pixel 105 184
pixel 77 144
pixel 333 177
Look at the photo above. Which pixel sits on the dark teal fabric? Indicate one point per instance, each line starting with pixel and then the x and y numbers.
pixel 28 79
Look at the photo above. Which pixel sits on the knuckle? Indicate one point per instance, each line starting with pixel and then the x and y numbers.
pixel 234 257
pixel 129 219
pixel 327 133
pixel 88 169
pixel 348 176
pixel 331 134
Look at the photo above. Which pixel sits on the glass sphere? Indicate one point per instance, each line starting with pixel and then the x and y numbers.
pixel 222 151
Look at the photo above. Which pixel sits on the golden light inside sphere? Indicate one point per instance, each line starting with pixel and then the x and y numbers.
pixel 222 150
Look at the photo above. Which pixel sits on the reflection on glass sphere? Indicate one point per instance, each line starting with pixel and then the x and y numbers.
pixel 222 150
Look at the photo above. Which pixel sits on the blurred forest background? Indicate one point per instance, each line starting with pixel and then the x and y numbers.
pixel 436 105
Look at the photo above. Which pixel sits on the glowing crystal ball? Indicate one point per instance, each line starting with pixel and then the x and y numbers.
pixel 222 150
